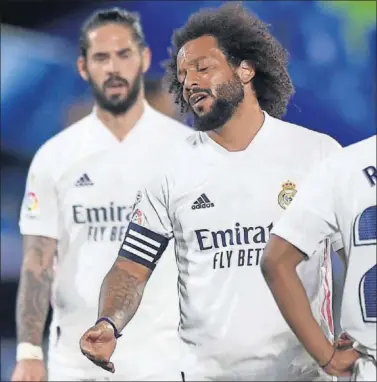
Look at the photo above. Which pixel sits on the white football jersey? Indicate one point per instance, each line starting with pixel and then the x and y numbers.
pixel 220 207
pixel 340 195
pixel 80 190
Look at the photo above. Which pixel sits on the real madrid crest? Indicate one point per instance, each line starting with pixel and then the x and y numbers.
pixel 287 194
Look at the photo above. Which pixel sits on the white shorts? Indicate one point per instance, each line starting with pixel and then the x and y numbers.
pixel 60 372
pixel 67 363
pixel 313 377
pixel 365 369
pixel 256 371
pixel 56 373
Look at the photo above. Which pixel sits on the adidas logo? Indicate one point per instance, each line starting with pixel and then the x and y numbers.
pixel 84 181
pixel 202 202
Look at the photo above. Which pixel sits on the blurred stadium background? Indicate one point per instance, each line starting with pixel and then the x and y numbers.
pixel 333 65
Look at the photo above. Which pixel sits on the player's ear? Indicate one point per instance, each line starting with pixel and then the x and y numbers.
pixel 147 58
pixel 81 67
pixel 246 72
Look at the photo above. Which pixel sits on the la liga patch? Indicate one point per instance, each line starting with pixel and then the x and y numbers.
pixel 32 204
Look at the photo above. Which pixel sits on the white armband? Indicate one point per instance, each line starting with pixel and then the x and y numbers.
pixel 26 350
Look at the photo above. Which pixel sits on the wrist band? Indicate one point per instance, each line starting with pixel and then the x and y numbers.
pixel 26 350
pixel 329 361
pixel 116 333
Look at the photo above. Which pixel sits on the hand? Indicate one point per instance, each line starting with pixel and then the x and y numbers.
pixel 98 344
pixel 29 370
pixel 344 342
pixel 342 363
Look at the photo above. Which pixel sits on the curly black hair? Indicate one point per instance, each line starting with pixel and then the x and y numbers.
pixel 241 36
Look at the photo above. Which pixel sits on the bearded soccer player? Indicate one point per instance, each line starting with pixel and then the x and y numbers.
pixel 79 196
pixel 345 202
pixel 217 201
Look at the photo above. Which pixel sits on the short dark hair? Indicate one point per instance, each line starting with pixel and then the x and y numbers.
pixel 111 16
pixel 241 36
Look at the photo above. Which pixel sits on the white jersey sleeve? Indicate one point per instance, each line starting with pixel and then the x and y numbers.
pixel 310 218
pixel 39 211
pixel 150 229
pixel 329 147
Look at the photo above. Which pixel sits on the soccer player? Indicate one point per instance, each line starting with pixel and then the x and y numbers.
pixel 79 196
pixel 219 198
pixel 338 195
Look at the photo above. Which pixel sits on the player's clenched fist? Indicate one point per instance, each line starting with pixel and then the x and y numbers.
pixel 29 370
pixel 342 363
pixel 98 344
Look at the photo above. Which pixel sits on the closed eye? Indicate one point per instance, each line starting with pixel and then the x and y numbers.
pixel 125 53
pixel 100 56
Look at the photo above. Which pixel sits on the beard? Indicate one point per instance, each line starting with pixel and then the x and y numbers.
pixel 229 96
pixel 117 104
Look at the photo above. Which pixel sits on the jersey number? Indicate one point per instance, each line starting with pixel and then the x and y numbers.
pixel 364 233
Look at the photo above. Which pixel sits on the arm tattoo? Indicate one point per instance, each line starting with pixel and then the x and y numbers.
pixel 121 294
pixel 33 298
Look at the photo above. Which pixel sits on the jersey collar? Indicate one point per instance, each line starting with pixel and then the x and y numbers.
pixel 106 135
pixel 258 140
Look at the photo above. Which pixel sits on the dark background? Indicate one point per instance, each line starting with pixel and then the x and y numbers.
pixel 332 46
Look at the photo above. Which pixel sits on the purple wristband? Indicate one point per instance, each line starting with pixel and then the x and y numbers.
pixel 116 333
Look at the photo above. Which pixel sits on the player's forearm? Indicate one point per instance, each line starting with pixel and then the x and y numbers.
pixel 121 292
pixel 33 298
pixel 291 298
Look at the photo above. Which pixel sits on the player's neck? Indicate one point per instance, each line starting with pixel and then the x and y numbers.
pixel 237 134
pixel 121 125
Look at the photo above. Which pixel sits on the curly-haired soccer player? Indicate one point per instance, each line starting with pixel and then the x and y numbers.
pixel 218 201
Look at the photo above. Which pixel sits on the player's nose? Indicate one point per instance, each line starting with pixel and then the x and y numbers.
pixel 190 84
pixel 112 66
